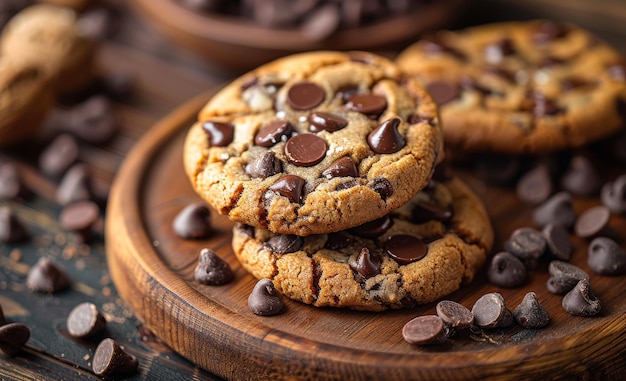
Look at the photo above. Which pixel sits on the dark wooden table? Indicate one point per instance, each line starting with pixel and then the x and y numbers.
pixel 164 77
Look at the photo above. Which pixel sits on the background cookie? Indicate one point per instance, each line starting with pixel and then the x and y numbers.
pixel 521 87
pixel 314 143
pixel 454 233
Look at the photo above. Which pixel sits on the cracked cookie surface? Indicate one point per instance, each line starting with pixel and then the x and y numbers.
pixel 521 87
pixel 416 254
pixel 314 143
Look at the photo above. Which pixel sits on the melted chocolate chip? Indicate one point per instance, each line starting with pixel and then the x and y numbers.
pixel 346 92
pixel 323 121
pixel 443 92
pixel 338 241
pixel 383 187
pixel 366 264
pixel 305 96
pixel 305 150
pixel 264 165
pixel 220 134
pixel 341 167
pixel 273 132
pixel 405 248
pixel 385 138
pixel 371 105
pixel 290 186
pixel 374 228
pixel 425 211
pixel 284 243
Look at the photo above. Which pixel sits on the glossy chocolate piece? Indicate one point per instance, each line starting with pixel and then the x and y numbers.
pixel 290 186
pixel 369 104
pixel 386 138
pixel 506 270
pixel 305 96
pixel 273 132
pixel 220 134
pixel 405 248
pixel 212 269
pixel 342 167
pixel 324 121
pixel 264 300
pixel 305 150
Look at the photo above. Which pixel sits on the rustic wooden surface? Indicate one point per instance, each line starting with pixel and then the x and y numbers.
pixel 167 77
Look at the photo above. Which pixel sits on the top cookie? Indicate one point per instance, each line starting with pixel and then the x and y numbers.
pixel 521 87
pixel 314 143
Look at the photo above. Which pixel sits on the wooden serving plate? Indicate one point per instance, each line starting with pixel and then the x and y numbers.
pixel 212 326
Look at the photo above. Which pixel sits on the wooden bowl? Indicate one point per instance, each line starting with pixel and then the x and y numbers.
pixel 238 45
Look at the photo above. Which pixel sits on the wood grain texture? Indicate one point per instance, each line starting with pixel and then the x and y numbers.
pixel 213 327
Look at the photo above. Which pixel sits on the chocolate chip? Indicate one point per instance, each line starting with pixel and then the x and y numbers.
pixel 13 337
pixel 80 217
pixel 46 276
pixel 455 316
pixel 535 186
pixel 557 209
pixel 382 186
pixel 283 244
pixel 342 167
pixel 366 264
pixel 321 22
pixel 606 257
pixel 557 240
pixel 273 132
pixel 490 311
pixel 305 95
pixel 193 222
pixel 496 51
pixel 416 118
pixel 265 300
pixel 305 150
pixel 593 222
pixel 59 155
pixel 337 241
pixel 563 277
pixel 220 134
pixel 506 270
pixel 369 104
pixel 93 121
pixel 346 185
pixel 581 300
pixel 613 195
pixel 211 269
pixel 386 138
pixel 324 121
pixel 11 185
pixel 85 320
pixel 549 31
pixel 75 185
pixel 264 165
pixel 425 211
pixel 290 186
pixel 110 359
pixel 527 244
pixel 426 329
pixel 581 178
pixel 405 248
pixel 374 228
pixel 12 229
pixel 346 92
pixel 443 92
pixel 245 229
pixel 573 83
pixel 530 313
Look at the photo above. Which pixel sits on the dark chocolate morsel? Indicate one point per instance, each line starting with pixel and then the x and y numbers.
pixel 212 269
pixel 284 243
pixel 264 165
pixel 366 264
pixel 273 132
pixel 563 277
pixel 557 209
pixel 506 270
pixel 290 186
pixel 85 320
pixel 454 315
pixel 46 276
pixel 80 217
pixel 405 248
pixel 265 300
pixel 341 167
pixel 386 138
pixel 220 134
pixel 581 178
pixel 606 257
pixel 369 104
pixel 425 329
pixel 581 300
pixel 535 186
pixel 193 222
pixel 59 155
pixel 443 92
pixel 305 95
pixel 530 313
pixel 110 359
pixel 527 244
pixel 593 222
pixel 425 211
pixel 13 337
pixel 549 31
pixel 323 121
pixel 93 121
pixel 11 227
pixel 338 241
pixel 75 185
pixel 558 242
pixel 382 186
pixel 11 185
pixel 490 311
pixel 613 195
pixel 305 150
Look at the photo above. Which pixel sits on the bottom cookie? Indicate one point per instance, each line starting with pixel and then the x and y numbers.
pixel 417 254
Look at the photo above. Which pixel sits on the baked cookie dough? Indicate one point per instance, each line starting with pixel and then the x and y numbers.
pixel 418 253
pixel 521 87
pixel 314 143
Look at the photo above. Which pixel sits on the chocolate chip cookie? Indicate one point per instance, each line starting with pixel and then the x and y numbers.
pixel 314 143
pixel 521 87
pixel 416 254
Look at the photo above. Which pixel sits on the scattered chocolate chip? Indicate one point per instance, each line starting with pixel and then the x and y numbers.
pixel 369 104
pixel 382 186
pixel 338 241
pixel 273 132
pixel 386 138
pixel 305 150
pixel 564 276
pixel 496 51
pixel 498 169
pixel 613 195
pixel 366 264
pixel 46 276
pixel 455 316
pixel 443 92
pixel 593 222
pixel 425 211
pixel 75 185
pixel 12 229
pixel 405 248
pixel 264 165
pixel 535 186
pixel 59 155
pixel 80 217
pixel 265 300
pixel 530 313
pixel 557 209
pixel 290 186
pixel 324 121
pixel 284 244
pixel 506 270
pixel 426 329
pixel 490 311
pixel 93 121
pixel 374 228
pixel 193 222
pixel 581 300
pixel 557 240
pixel 549 31
pixel 13 337
pixel 220 134
pixel 11 185
pixel 527 244
pixel 342 167
pixel 305 95
pixel 212 269
pixel 110 359
pixel 606 257
pixel 581 178
pixel 85 320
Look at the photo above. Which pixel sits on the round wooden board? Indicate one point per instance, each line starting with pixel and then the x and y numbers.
pixel 212 326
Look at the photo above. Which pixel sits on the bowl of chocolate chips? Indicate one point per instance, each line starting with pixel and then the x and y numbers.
pixel 238 35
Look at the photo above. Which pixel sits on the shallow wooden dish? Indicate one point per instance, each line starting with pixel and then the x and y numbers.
pixel 212 326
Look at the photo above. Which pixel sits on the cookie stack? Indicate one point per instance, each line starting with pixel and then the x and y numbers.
pixel 326 162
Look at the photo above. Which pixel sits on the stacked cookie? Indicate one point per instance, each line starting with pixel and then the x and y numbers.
pixel 325 160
